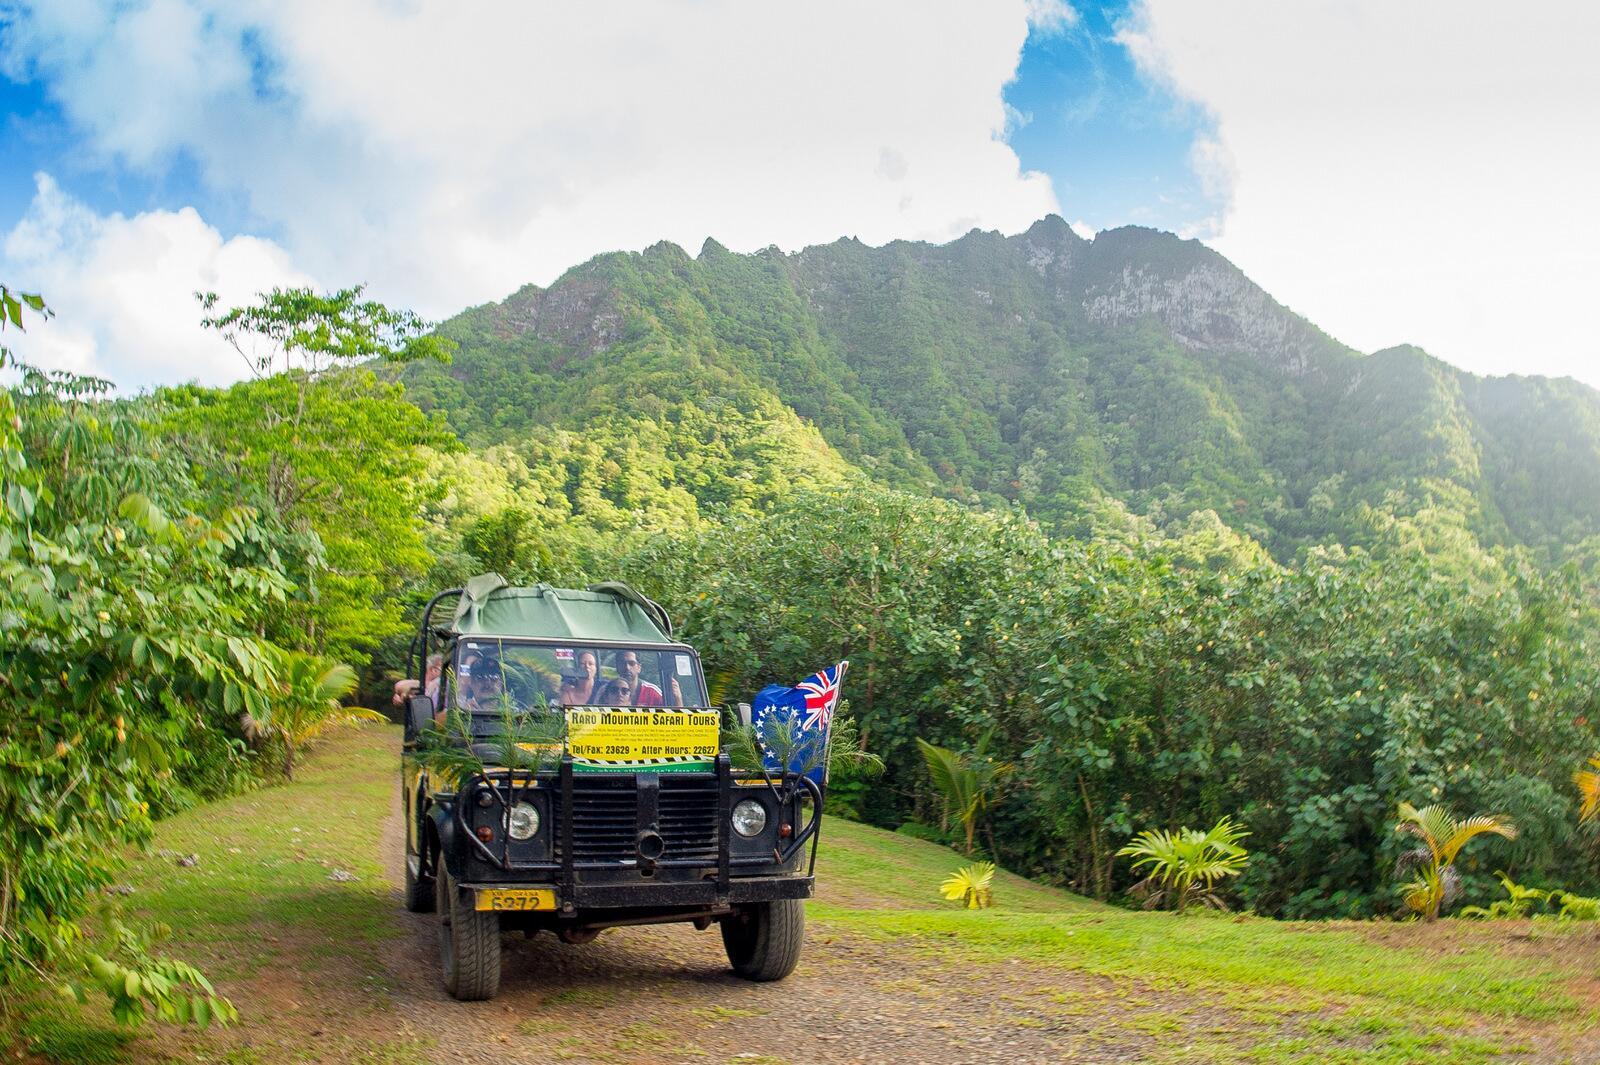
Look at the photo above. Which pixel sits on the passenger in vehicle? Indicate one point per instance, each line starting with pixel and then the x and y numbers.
pixel 617 692
pixel 429 685
pixel 430 677
pixel 642 692
pixel 568 696
pixel 583 689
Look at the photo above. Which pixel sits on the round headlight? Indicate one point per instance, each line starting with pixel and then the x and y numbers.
pixel 524 821
pixel 749 817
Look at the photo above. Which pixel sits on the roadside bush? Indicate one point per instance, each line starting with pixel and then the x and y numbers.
pixel 127 654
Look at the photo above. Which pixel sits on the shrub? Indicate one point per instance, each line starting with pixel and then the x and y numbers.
pixel 970 885
pixel 1185 865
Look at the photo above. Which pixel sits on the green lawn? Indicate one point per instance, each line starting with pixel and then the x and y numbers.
pixel 291 877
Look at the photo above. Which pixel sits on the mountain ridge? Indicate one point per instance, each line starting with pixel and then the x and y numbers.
pixel 1136 371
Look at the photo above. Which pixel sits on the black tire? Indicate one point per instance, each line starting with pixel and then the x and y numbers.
pixel 420 891
pixel 469 944
pixel 763 939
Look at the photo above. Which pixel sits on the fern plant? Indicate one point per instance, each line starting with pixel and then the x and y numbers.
pixel 1184 866
pixel 1576 907
pixel 1519 901
pixel 1435 882
pixel 971 885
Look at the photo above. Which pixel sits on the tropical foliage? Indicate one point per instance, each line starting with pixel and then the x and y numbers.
pixel 1574 907
pixel 1436 883
pixel 128 647
pixel 1168 679
pixel 1520 901
pixel 160 580
pixel 971 885
pixel 309 699
pixel 966 782
pixel 1588 782
pixel 1183 867
pixel 1090 578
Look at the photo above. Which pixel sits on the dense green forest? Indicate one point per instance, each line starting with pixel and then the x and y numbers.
pixel 1102 509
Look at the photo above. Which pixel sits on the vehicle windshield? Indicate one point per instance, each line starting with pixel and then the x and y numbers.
pixel 491 674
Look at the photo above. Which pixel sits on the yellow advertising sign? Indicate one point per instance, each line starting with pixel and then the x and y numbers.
pixel 642 739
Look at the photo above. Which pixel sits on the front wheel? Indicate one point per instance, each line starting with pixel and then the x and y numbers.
pixel 420 890
pixel 469 943
pixel 763 939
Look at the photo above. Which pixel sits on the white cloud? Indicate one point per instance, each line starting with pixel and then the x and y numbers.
pixel 449 153
pixel 1051 16
pixel 123 290
pixel 1417 172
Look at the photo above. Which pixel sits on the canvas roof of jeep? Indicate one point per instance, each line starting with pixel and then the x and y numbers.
pixel 611 611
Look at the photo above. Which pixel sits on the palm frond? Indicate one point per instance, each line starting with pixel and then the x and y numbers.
pixel 335 682
pixel 971 885
pixel 955 781
pixel 1431 824
pixel 1472 827
pixel 1179 861
pixel 1588 782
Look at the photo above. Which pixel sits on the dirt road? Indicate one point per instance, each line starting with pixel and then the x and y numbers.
pixel 662 994
pixel 665 994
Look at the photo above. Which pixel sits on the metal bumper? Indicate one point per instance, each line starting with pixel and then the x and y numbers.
pixel 701 894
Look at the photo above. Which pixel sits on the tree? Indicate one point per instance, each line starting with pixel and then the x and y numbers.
pixel 333 454
pixel 321 331
pixel 1437 882
pixel 127 644
pixel 11 304
pixel 966 781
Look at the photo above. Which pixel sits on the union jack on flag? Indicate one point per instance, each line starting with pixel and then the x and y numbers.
pixel 806 710
pixel 822 695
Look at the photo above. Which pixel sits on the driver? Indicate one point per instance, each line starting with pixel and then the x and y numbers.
pixel 487 686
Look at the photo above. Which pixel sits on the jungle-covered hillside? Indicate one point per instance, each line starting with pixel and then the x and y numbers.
pixel 1135 372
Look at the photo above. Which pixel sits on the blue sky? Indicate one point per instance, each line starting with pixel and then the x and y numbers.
pixel 1116 146
pixel 39 137
pixel 1396 173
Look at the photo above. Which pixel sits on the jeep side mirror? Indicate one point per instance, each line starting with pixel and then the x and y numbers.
pixel 744 714
pixel 419 713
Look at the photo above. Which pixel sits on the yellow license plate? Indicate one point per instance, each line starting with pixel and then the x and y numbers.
pixel 516 899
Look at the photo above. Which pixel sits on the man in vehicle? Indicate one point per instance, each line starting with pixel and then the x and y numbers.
pixel 429 685
pixel 482 688
pixel 639 692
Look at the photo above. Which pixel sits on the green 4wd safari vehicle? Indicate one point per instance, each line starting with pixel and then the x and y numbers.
pixel 562 771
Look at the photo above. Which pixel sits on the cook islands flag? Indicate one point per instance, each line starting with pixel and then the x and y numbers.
pixel 796 721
